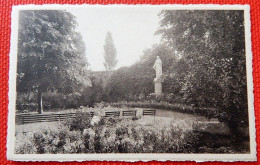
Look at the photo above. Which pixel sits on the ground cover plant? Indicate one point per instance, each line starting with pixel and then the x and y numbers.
pixel 123 135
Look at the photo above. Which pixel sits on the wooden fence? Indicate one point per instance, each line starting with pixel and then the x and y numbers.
pixel 129 113
pixel 112 114
pixel 149 112
pixel 35 118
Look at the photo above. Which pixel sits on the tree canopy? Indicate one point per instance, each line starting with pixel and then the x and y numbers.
pixel 51 54
pixel 211 47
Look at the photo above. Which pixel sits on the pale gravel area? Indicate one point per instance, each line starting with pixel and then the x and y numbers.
pixel 33 127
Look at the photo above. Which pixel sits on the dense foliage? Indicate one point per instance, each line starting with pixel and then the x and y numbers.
pixel 136 82
pixel 211 46
pixel 51 54
pixel 117 135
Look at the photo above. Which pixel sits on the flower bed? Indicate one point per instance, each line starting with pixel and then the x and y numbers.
pixel 120 135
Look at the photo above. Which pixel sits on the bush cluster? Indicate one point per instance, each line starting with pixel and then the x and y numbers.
pixel 51 100
pixel 117 135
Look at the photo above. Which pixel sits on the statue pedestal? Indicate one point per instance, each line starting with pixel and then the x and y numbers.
pixel 157 87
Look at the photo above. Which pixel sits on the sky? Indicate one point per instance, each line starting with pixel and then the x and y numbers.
pixel 132 31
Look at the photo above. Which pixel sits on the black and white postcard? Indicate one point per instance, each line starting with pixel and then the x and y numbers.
pixel 131 83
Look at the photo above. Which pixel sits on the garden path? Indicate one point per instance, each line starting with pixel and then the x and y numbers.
pixel 203 124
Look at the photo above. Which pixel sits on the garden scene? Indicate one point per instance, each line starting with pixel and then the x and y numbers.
pixel 185 92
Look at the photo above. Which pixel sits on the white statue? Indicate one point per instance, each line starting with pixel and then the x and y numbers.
pixel 158 68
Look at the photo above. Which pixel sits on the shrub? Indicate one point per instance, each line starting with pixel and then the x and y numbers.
pixel 47 141
pixel 24 144
pixel 80 122
pixel 117 135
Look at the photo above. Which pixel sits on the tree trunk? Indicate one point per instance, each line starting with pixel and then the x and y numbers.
pixel 39 100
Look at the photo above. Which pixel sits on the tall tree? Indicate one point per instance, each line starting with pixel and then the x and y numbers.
pixel 109 53
pixel 211 47
pixel 51 54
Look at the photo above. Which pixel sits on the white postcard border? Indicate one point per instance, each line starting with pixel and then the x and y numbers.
pixel 128 157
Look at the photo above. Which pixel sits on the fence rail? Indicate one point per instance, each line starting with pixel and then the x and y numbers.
pixel 35 118
pixel 149 112
pixel 129 113
pixel 112 114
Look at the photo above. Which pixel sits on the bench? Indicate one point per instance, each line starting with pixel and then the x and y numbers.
pixel 129 113
pixel 112 113
pixel 91 114
pixel 149 112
